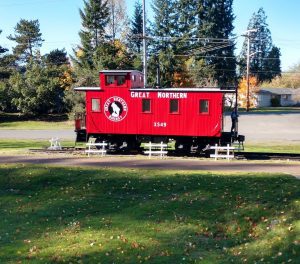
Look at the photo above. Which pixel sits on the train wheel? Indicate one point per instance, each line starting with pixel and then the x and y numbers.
pixel 99 140
pixel 183 148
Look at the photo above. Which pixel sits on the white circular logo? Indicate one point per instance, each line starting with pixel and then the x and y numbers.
pixel 115 109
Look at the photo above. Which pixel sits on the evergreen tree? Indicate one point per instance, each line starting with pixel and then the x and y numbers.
pixel 193 34
pixel 7 65
pixel 97 50
pixel 2 50
pixel 262 50
pixel 95 17
pixel 4 63
pixel 134 37
pixel 215 25
pixel 164 42
pixel 28 38
pixel 136 29
pixel 272 64
pixel 185 24
pixel 57 57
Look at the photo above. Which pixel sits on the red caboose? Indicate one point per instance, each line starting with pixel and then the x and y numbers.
pixel 124 113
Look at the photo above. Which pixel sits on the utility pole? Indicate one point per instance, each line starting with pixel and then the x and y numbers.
pixel 248 32
pixel 144 45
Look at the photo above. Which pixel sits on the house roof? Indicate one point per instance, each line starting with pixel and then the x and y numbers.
pixel 277 91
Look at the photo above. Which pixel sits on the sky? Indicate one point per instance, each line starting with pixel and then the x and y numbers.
pixel 60 23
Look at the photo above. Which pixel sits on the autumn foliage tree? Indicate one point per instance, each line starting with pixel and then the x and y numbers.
pixel 242 92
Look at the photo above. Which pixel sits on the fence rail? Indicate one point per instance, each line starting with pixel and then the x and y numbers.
pixel 156 149
pixel 92 148
pixel 223 152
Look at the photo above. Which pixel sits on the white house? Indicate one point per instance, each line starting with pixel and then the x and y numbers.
pixel 285 96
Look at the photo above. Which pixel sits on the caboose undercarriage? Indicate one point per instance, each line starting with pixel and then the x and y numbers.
pixel 178 144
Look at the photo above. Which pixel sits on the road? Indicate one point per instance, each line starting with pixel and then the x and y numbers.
pixel 268 127
pixel 67 134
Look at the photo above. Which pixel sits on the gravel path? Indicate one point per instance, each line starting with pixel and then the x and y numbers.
pixel 139 162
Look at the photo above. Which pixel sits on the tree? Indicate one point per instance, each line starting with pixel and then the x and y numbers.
pixel 5 61
pixel 97 50
pixel 264 55
pixel 290 79
pixel 28 38
pixel 7 66
pixel 242 92
pixel 95 17
pixel 39 90
pixel 117 23
pixel 57 57
pixel 272 64
pixel 201 74
pixel 200 31
pixel 136 29
pixel 134 37
pixel 2 50
pixel 214 29
pixel 163 44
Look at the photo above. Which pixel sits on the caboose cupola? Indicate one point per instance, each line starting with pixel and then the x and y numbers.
pixel 121 78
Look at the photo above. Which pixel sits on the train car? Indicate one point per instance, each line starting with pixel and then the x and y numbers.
pixel 124 113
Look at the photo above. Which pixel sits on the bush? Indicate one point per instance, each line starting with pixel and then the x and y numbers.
pixel 275 102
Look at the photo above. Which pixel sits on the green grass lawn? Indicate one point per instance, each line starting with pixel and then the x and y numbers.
pixel 22 146
pixel 270 109
pixel 37 125
pixel 15 121
pixel 75 215
pixel 272 147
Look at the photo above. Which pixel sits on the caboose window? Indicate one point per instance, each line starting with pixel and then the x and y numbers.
pixel 146 105
pixel 120 80
pixel 95 105
pixel 110 79
pixel 174 106
pixel 204 107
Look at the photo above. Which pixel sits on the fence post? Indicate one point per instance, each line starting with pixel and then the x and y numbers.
pixel 150 149
pixel 216 151
pixel 228 152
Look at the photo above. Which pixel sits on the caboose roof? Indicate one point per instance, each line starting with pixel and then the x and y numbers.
pixel 192 89
pixel 119 72
pixel 87 89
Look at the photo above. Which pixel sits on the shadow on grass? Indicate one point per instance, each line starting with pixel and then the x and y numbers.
pixel 54 214
pixel 16 117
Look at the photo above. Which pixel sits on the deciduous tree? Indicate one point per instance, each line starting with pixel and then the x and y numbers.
pixel 117 26
pixel 242 92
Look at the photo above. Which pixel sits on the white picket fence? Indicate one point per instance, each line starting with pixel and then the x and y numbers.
pixel 92 148
pixel 156 149
pixel 55 144
pixel 223 152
